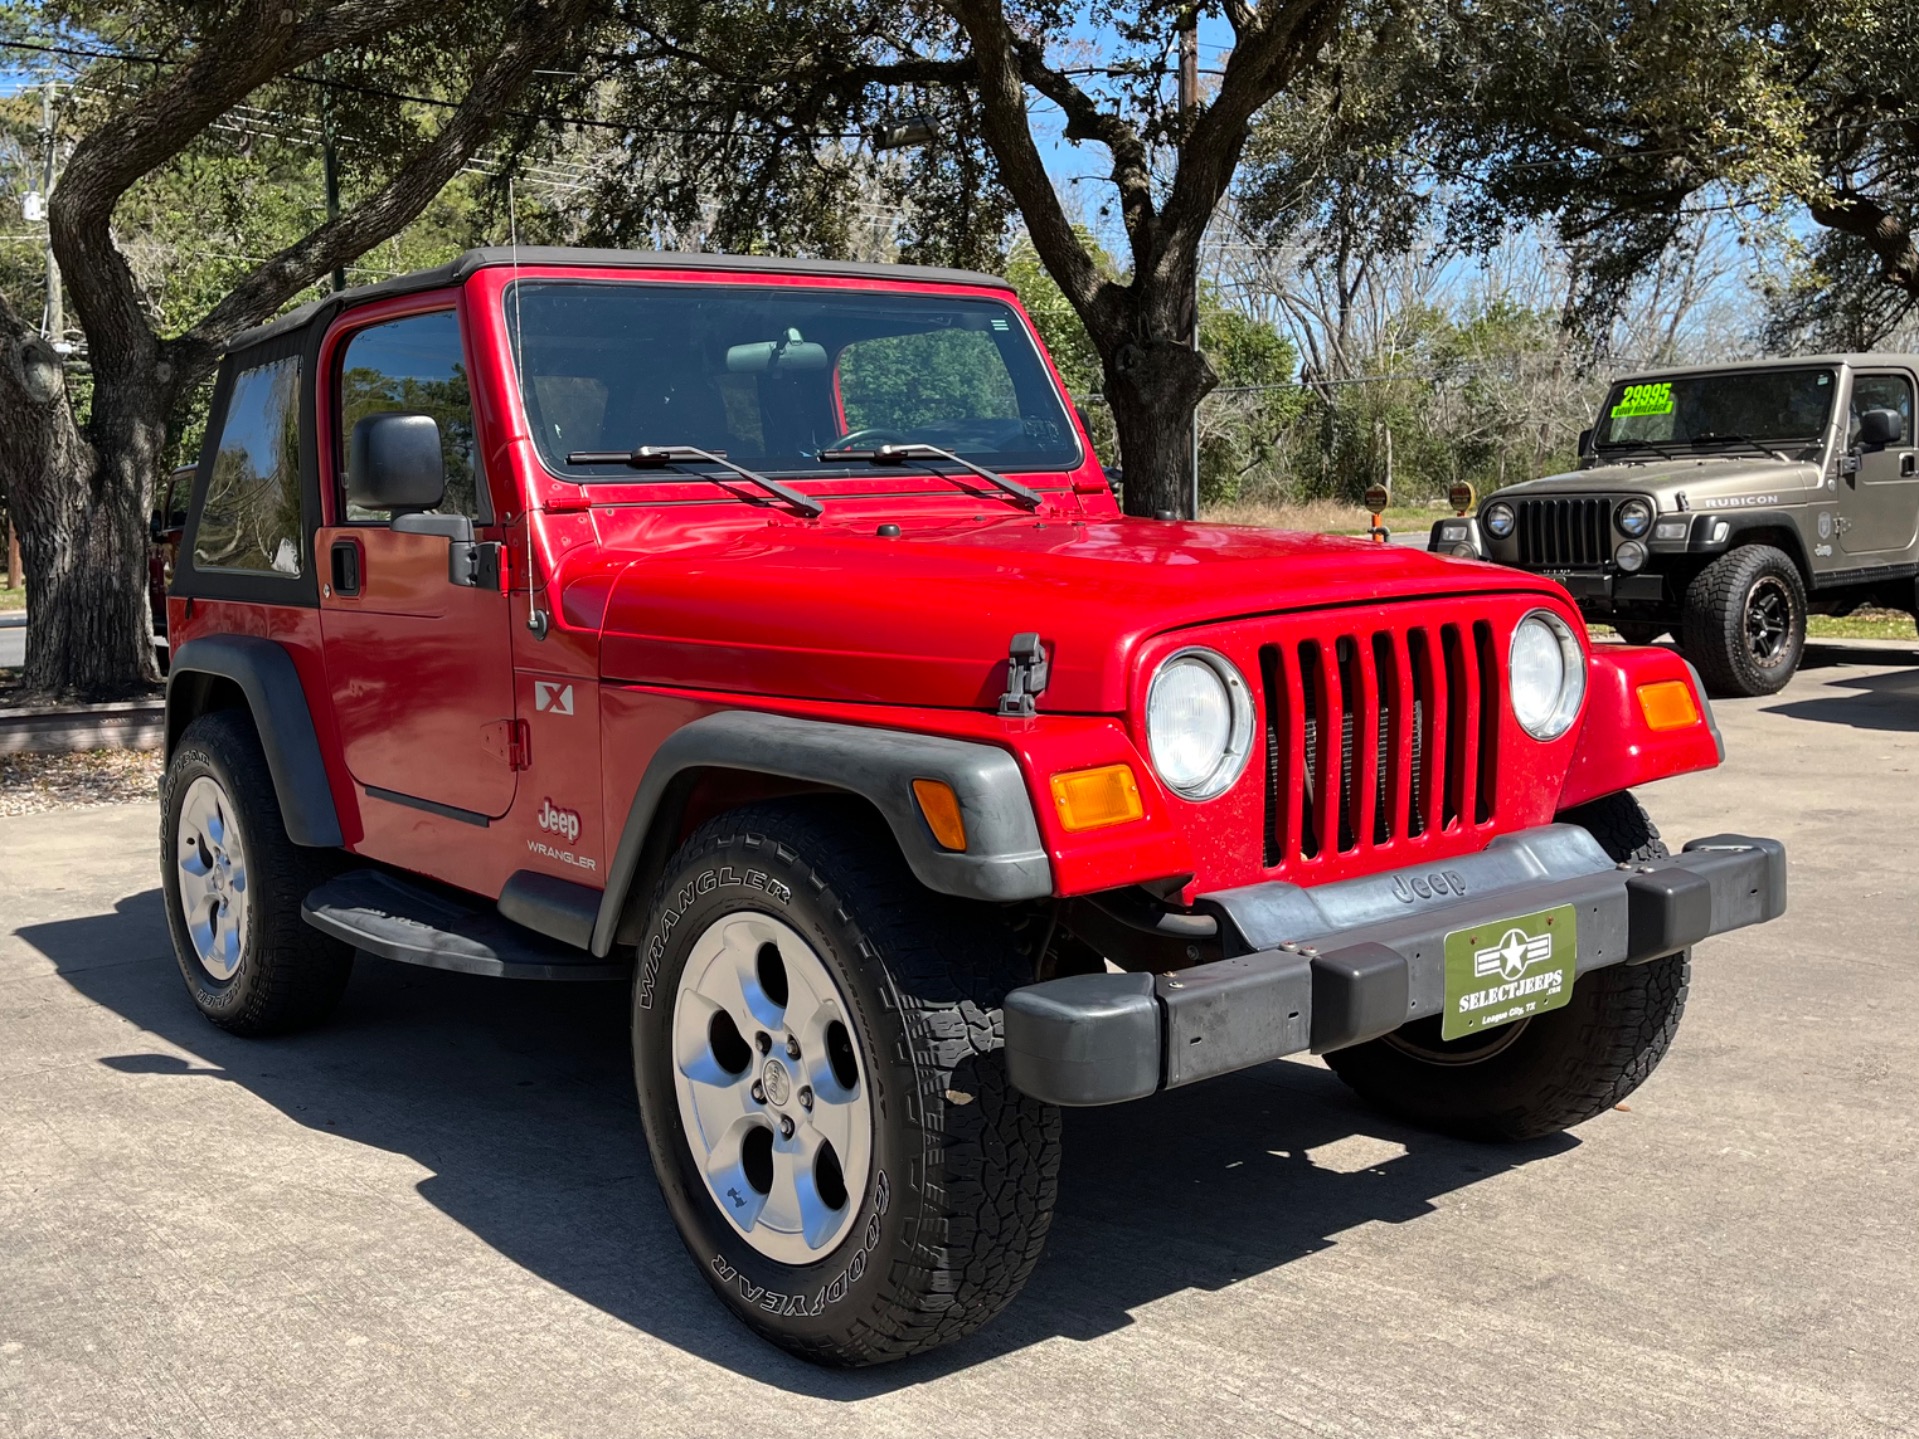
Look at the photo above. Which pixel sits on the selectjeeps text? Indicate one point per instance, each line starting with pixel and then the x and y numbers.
pixel 765 634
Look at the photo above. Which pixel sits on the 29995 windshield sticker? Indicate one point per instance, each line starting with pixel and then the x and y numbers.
pixel 1643 400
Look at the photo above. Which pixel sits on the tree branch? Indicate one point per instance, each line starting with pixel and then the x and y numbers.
pixel 261 41
pixel 528 40
pixel 1007 128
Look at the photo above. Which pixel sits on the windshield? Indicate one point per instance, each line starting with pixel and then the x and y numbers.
pixel 772 376
pixel 1759 407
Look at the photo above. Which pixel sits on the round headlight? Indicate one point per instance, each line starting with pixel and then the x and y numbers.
pixel 1497 521
pixel 1546 674
pixel 1199 723
pixel 1634 518
pixel 1630 557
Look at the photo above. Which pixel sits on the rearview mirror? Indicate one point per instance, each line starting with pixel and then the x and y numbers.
pixel 776 357
pixel 1881 427
pixel 394 462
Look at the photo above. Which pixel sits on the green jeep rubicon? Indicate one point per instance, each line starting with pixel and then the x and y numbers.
pixel 1723 505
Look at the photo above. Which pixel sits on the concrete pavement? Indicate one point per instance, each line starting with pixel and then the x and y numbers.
pixel 436 1216
pixel 13 640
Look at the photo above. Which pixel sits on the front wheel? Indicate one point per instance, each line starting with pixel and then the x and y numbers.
pixel 815 1044
pixel 1744 622
pixel 1553 1070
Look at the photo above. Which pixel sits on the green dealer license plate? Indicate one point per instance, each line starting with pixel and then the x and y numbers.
pixel 1509 969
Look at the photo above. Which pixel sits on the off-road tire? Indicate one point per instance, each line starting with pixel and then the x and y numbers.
pixel 1558 1069
pixel 1714 620
pixel 960 1193
pixel 1638 632
pixel 290 976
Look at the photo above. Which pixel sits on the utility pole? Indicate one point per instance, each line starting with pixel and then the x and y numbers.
pixel 330 166
pixel 1188 105
pixel 56 326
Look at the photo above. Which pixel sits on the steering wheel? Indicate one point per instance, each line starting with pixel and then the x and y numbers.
pixel 871 438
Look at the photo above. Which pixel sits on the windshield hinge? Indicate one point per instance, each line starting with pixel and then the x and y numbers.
pixel 1026 672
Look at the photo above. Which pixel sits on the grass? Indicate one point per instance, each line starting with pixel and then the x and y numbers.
pixel 12 599
pixel 1863 624
pixel 1327 517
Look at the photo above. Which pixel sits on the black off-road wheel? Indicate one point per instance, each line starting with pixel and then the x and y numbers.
pixel 816 1044
pixel 1553 1070
pixel 233 883
pixel 1744 622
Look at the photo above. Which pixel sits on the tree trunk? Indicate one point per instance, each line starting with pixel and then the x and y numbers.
pixel 81 510
pixel 1154 388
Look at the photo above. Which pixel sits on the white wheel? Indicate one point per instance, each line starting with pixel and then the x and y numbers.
pixel 211 874
pixel 772 1087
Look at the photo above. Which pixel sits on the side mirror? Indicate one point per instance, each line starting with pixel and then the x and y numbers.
pixel 1585 442
pixel 1878 428
pixel 394 462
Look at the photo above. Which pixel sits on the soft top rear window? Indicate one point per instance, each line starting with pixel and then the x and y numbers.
pixel 771 376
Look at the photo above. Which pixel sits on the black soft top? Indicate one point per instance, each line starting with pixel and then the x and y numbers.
pixel 320 313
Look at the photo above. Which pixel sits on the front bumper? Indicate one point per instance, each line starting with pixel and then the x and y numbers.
pixel 1322 968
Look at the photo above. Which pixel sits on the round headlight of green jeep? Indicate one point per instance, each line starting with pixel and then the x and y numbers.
pixel 1497 520
pixel 1630 557
pixel 1546 675
pixel 1199 723
pixel 1634 518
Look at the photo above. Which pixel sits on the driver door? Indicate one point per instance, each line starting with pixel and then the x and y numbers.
pixel 420 664
pixel 1879 502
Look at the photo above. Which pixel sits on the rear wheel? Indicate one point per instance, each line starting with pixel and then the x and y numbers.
pixel 1744 621
pixel 815 1040
pixel 233 883
pixel 1553 1070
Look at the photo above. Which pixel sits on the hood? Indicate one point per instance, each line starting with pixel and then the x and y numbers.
pixel 1713 476
pixel 925 618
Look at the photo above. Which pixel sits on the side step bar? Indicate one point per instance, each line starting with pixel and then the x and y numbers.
pixel 387 917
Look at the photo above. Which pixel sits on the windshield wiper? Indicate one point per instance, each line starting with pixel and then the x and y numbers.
pixel 900 454
pixel 646 457
pixel 1732 437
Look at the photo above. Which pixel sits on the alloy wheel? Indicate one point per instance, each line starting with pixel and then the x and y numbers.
pixel 211 871
pixel 772 1087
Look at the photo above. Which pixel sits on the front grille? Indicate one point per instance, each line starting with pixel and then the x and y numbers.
pixel 1416 713
pixel 1564 534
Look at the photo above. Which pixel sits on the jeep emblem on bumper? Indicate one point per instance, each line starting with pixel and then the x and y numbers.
pixel 1437 885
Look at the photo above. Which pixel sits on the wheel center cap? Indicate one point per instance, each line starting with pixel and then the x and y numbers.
pixel 777 1083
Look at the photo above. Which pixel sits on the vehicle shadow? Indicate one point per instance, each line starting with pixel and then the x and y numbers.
pixel 1888 701
pixel 519 1100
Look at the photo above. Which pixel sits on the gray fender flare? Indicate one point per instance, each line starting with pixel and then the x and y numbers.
pixel 265 674
pixel 1005 858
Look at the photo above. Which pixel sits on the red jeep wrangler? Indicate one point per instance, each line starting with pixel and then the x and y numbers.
pixel 765 633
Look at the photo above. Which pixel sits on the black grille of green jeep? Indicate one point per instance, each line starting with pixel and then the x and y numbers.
pixel 1564 533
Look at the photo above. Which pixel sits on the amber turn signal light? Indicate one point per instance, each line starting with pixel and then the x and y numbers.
pixel 1668 705
pixel 1095 798
pixel 941 807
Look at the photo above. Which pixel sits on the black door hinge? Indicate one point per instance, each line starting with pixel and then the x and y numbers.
pixel 1026 673
pixel 474 563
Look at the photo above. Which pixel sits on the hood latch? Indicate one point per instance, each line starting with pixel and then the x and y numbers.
pixel 1026 671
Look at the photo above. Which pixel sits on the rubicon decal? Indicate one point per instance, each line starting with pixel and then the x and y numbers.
pixel 551 697
pixel 1509 970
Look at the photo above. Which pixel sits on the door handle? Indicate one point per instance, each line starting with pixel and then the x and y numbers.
pixel 346 567
pixel 1908 463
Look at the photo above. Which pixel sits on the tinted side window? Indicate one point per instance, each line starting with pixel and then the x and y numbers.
pixel 1881 392
pixel 415 366
pixel 251 518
